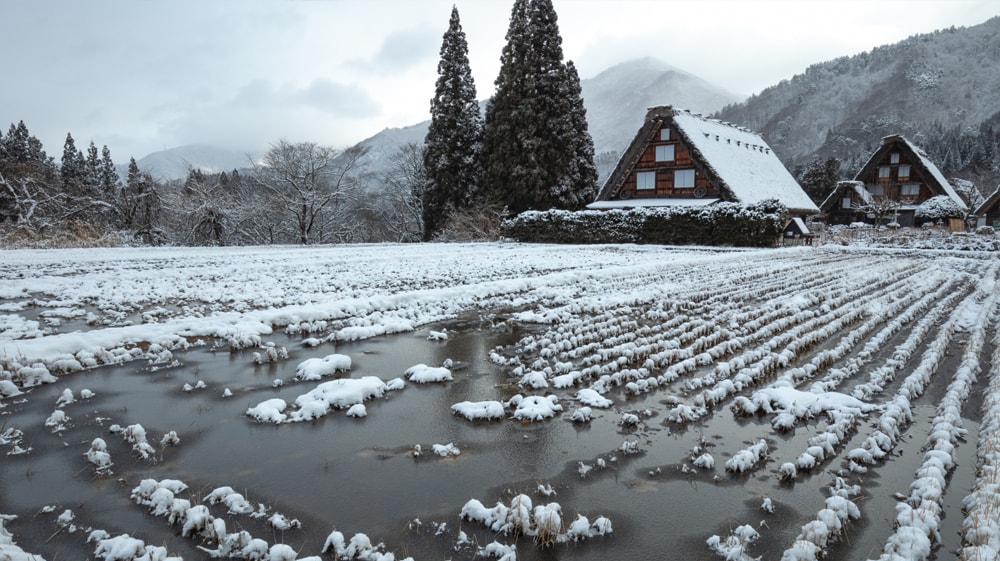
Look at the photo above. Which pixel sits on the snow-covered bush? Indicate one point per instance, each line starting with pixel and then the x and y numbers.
pixel 938 207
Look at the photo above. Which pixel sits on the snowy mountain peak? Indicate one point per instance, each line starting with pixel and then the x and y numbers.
pixel 174 163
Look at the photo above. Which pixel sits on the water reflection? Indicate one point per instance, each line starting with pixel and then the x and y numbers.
pixel 359 475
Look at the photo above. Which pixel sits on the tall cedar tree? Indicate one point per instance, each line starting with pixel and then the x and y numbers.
pixel 537 151
pixel 70 171
pixel 453 141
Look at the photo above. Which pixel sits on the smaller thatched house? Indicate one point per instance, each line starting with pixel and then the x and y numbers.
pixel 898 178
pixel 988 213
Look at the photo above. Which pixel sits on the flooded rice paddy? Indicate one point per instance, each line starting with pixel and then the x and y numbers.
pixel 361 475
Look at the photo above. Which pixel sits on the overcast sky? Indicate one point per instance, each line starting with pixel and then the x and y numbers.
pixel 141 76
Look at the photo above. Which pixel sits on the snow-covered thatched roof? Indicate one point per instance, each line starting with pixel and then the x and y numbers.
pixel 989 203
pixel 742 160
pixel 738 162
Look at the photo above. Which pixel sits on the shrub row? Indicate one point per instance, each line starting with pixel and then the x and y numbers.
pixel 726 224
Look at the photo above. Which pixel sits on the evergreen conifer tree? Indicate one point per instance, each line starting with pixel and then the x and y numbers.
pixel 579 187
pixel 20 147
pixel 537 152
pixel 70 171
pixel 505 160
pixel 92 176
pixel 109 175
pixel 453 141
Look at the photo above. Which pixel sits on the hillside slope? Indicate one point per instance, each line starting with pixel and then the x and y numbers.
pixel 917 87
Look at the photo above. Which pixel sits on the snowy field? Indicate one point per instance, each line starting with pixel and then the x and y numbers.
pixel 499 401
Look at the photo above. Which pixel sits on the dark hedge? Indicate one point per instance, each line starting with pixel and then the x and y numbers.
pixel 725 224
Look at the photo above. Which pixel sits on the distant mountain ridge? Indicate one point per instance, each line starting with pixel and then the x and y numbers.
pixel 616 101
pixel 946 79
pixel 174 163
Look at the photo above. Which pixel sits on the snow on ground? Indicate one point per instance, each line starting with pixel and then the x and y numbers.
pixel 836 344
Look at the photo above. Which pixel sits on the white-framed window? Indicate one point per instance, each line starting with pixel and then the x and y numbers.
pixel 894 158
pixel 665 153
pixel 876 189
pixel 645 180
pixel 904 170
pixel 884 172
pixel 683 178
pixel 665 133
pixel 911 189
pixel 845 202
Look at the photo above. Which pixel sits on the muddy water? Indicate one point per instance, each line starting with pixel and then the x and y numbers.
pixel 359 475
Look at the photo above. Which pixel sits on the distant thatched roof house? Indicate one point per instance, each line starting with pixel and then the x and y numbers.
pixel 989 211
pixel 679 158
pixel 898 172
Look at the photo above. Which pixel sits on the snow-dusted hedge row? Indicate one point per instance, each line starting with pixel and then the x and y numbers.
pixel 756 225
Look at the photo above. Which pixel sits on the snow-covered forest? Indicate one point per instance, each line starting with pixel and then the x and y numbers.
pixel 499 400
pixel 938 89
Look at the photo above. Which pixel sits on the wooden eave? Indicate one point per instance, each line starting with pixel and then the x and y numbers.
pixel 629 160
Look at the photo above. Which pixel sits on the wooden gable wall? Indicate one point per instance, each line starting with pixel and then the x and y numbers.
pixel 664 185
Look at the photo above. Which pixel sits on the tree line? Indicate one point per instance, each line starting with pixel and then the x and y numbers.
pixel 529 149
pixel 300 193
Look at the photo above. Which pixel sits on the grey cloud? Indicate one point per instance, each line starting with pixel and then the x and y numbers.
pixel 338 99
pixel 402 50
pixel 333 98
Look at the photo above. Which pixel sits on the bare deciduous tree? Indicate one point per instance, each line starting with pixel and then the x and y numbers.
pixel 877 209
pixel 397 211
pixel 309 183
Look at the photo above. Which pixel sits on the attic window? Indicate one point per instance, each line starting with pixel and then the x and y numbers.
pixel 904 170
pixel 894 158
pixel 883 172
pixel 665 153
pixel 683 178
pixel 845 202
pixel 665 133
pixel 645 180
pixel 911 189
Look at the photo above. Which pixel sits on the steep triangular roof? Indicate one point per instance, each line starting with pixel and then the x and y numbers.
pixel 989 203
pixel 935 178
pixel 737 161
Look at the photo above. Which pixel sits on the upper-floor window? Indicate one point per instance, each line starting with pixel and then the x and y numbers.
pixel 665 153
pixel 884 172
pixel 904 170
pixel 665 133
pixel 645 180
pixel 845 202
pixel 683 178
pixel 894 158
pixel 876 189
pixel 911 189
